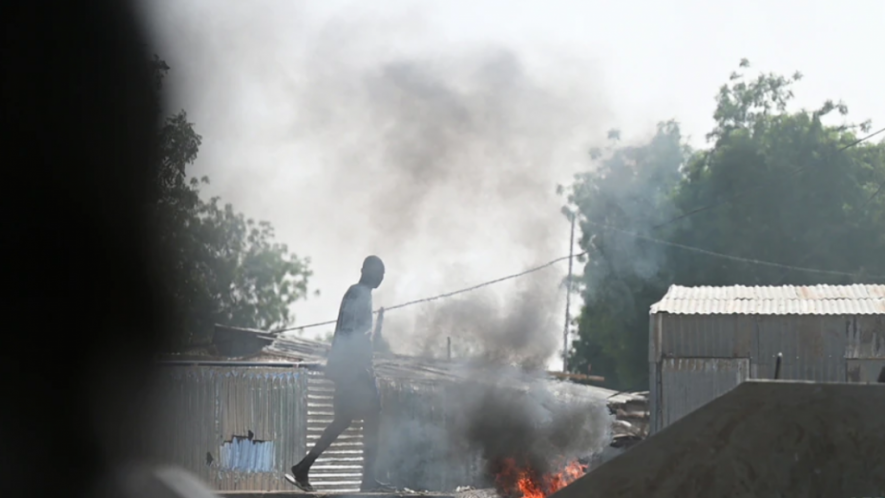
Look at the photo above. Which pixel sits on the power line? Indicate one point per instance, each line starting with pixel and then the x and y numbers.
pixel 564 258
pixel 861 140
pixel 446 295
pixel 755 187
pixel 733 258
pixel 841 230
pixel 878 190
pixel 484 284
pixel 643 237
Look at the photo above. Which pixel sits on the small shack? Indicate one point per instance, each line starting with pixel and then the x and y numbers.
pixel 242 411
pixel 704 341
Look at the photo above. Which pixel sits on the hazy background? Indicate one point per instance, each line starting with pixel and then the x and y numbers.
pixel 434 136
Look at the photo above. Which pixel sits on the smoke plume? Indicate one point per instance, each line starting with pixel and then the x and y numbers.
pixel 500 414
pixel 443 157
pixel 512 330
pixel 629 190
pixel 357 135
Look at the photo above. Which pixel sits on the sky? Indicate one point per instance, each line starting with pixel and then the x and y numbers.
pixel 434 134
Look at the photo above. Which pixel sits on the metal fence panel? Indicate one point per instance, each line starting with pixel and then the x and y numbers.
pixel 813 347
pixel 706 336
pixel 237 428
pixel 340 468
pixel 418 451
pixel 689 383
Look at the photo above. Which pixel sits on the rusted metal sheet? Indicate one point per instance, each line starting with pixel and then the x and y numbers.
pixel 237 428
pixel 774 300
pixel 865 337
pixel 689 383
pixel 866 370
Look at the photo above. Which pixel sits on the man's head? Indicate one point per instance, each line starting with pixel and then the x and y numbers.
pixel 372 272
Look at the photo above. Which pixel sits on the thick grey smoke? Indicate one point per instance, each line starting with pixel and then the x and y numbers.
pixel 454 155
pixel 451 154
pixel 628 194
pixel 535 427
pixel 478 426
pixel 357 136
pixel 438 148
pixel 464 433
pixel 517 329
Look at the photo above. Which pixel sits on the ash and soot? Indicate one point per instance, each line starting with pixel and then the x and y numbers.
pixel 445 163
pixel 532 436
pixel 529 432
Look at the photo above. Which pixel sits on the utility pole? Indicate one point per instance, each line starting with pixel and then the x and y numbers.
pixel 568 296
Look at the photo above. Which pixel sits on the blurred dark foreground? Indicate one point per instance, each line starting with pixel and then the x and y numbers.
pixel 83 314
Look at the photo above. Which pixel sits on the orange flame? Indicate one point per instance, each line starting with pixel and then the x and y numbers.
pixel 517 482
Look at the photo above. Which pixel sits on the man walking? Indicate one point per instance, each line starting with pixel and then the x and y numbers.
pixel 349 366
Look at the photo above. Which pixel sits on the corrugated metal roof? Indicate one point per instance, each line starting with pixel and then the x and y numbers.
pixel 774 300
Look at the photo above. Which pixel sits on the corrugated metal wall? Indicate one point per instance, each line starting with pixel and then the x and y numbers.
pixel 865 370
pixel 689 383
pixel 819 348
pixel 209 412
pixel 418 452
pixel 340 468
pixel 237 428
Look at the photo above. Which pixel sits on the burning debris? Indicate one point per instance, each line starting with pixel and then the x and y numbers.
pixel 518 479
pixel 531 437
pixel 631 423
pixel 521 480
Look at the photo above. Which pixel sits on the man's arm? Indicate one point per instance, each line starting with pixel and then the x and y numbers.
pixel 379 344
pixel 379 322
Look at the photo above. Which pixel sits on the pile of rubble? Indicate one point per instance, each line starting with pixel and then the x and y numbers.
pixel 631 424
pixel 469 492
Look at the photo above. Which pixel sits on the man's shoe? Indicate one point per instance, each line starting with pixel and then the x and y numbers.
pixel 298 477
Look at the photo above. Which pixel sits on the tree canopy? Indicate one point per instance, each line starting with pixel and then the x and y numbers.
pixel 773 185
pixel 221 267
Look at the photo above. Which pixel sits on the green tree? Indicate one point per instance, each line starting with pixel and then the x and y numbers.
pixel 773 185
pixel 627 188
pixel 786 188
pixel 220 266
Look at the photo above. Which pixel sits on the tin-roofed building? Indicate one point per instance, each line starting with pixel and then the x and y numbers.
pixel 704 341
pixel 239 414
